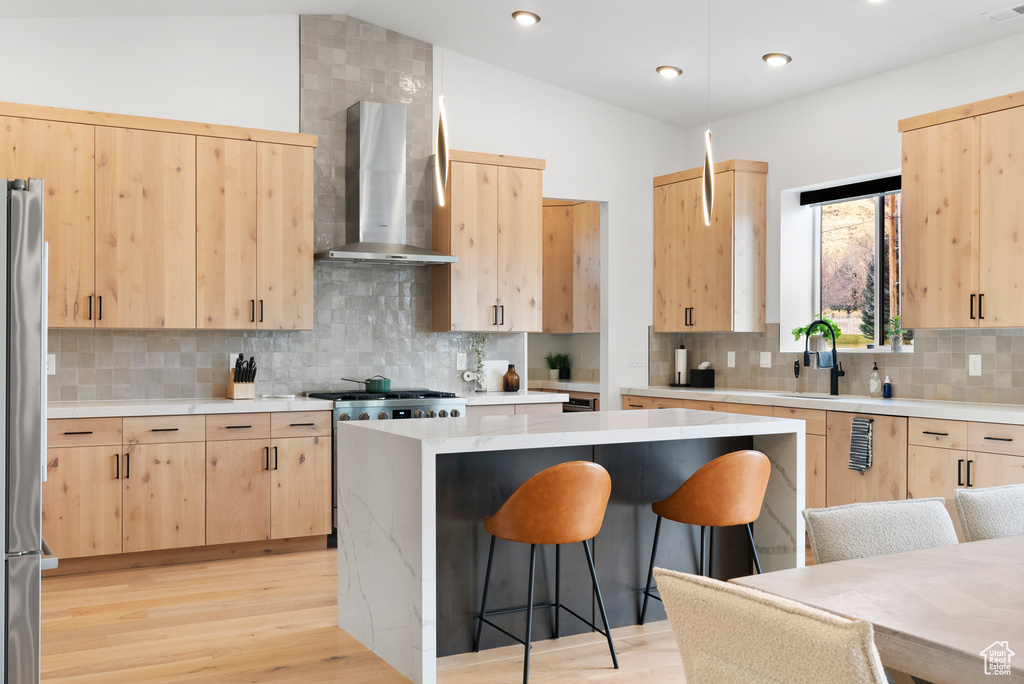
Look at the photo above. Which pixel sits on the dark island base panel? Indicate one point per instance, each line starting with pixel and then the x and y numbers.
pixel 641 473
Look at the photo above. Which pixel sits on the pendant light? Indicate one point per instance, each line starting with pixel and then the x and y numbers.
pixel 708 177
pixel 441 139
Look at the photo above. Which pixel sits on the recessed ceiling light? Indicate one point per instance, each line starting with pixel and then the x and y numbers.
pixel 526 18
pixel 777 59
pixel 669 71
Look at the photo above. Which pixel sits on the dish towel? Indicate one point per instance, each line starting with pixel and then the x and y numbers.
pixel 860 444
pixel 826 359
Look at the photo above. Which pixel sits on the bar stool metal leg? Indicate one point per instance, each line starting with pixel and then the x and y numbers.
pixel 600 604
pixel 483 602
pixel 757 562
pixel 701 571
pixel 711 548
pixel 558 586
pixel 650 571
pixel 529 614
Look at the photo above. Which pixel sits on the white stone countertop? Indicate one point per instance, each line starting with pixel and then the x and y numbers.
pixel 566 386
pixel 179 407
pixel 913 408
pixel 530 431
pixel 520 397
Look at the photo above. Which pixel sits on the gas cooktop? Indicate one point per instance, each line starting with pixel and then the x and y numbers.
pixel 351 395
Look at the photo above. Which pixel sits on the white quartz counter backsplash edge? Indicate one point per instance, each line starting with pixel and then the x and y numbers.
pixel 912 408
pixel 181 407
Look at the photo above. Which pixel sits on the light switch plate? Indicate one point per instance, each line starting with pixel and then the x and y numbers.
pixel 731 359
pixel 974 364
pixel 51 364
pixel 766 359
pixel 460 361
pixel 637 359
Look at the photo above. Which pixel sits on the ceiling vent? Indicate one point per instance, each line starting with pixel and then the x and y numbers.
pixel 1005 13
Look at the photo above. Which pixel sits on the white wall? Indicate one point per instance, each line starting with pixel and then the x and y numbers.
pixel 241 71
pixel 850 131
pixel 594 152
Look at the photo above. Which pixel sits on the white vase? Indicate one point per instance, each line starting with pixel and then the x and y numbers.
pixel 552 374
pixel 896 343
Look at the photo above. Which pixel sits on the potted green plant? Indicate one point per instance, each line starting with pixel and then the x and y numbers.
pixel 817 335
pixel 552 359
pixel 562 363
pixel 894 333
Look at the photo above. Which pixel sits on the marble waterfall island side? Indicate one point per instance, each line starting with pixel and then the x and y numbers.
pixel 389 489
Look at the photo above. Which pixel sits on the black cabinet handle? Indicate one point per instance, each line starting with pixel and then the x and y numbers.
pixel 275 458
pixel 635 406
pixel 495 307
pixel 252 310
pixel 127 466
pixel 969 473
pixel 261 311
pixel 502 314
pixel 117 466
pixel 960 472
pixel 972 307
pixel 1000 439
pixel 90 307
pixel 235 427
pixel 691 316
pixel 303 424
pixel 83 432
pixel 100 317
pixel 165 429
pixel 266 456
pixel 937 434
pixel 981 312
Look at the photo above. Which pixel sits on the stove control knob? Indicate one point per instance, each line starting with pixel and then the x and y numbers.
pixel 442 414
pixel 383 415
pixel 430 414
pixel 456 413
pixel 417 414
pixel 344 416
pixel 364 416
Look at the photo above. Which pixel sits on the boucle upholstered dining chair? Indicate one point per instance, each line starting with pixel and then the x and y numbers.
pixel 991 512
pixel 728 634
pixel 861 530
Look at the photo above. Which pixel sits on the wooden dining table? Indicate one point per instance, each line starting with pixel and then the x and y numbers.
pixel 934 611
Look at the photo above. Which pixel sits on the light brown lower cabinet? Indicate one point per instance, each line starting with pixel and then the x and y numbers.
pixel 885 480
pixel 300 491
pixel 82 501
pixel 164 496
pixel 237 491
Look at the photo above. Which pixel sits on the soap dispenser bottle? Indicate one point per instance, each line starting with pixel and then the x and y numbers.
pixel 875 383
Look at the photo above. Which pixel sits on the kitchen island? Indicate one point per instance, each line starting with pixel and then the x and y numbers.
pixel 408 492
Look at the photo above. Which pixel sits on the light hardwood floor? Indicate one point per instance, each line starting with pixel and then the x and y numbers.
pixel 272 619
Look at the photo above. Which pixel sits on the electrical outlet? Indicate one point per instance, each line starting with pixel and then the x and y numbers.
pixel 51 364
pixel 637 359
pixel 460 361
pixel 974 364
pixel 731 359
pixel 766 359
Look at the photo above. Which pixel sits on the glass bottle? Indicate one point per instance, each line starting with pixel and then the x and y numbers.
pixel 875 383
pixel 510 383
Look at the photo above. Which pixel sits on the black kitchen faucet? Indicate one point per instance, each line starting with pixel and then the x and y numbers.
pixel 836 371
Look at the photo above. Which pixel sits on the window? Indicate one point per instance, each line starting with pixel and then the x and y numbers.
pixel 857 261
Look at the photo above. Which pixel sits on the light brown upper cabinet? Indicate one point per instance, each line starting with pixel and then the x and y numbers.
pixel 572 266
pixel 154 223
pixel 963 216
pixel 710 278
pixel 492 221
pixel 255 235
pixel 62 155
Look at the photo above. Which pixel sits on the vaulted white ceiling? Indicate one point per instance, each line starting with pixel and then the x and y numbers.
pixel 608 49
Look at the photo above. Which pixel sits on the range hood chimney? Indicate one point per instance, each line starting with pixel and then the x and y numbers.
pixel 375 191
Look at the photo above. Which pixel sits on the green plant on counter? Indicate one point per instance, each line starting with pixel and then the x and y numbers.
pixel 806 330
pixel 893 329
pixel 556 361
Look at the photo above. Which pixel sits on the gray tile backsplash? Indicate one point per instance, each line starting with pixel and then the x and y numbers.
pixel 935 369
pixel 368 319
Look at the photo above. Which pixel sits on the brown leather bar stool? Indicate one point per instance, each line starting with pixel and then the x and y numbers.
pixel 563 504
pixel 727 491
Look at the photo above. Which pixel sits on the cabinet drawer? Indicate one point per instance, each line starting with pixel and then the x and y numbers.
pixel 815 419
pixel 238 426
pixel 164 429
pixel 300 423
pixel 996 438
pixel 72 432
pixel 947 434
pixel 633 402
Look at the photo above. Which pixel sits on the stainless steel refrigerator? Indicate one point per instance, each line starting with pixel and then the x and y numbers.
pixel 23 403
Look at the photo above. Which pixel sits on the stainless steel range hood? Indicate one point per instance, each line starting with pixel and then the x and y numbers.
pixel 375 191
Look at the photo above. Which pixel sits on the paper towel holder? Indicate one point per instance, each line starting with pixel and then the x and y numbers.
pixel 679 372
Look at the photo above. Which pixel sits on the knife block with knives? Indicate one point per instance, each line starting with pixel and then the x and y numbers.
pixel 242 381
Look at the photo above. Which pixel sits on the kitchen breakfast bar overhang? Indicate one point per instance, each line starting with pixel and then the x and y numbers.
pixel 412 496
